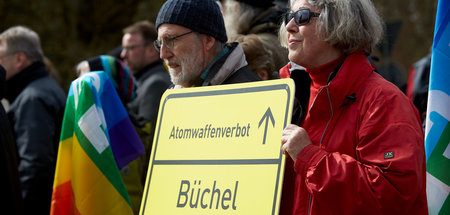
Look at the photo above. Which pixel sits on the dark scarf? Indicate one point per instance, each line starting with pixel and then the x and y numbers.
pixel 18 82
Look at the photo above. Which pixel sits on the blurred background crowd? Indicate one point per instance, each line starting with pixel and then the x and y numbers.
pixel 76 34
pixel 74 30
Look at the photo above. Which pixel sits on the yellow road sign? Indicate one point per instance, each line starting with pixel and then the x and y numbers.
pixel 216 150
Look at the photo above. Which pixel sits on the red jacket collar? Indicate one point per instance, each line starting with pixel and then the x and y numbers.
pixel 355 69
pixel 352 74
pixel 284 72
pixel 342 89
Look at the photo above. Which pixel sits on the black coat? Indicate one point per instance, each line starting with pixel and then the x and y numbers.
pixel 36 113
pixel 13 203
pixel 152 82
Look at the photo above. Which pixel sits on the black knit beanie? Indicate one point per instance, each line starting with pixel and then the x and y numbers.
pixel 203 16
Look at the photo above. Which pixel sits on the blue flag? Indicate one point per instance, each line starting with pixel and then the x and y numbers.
pixel 437 128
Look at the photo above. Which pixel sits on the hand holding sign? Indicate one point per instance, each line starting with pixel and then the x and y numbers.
pixel 294 140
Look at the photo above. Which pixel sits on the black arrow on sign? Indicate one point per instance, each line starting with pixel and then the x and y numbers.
pixel 268 115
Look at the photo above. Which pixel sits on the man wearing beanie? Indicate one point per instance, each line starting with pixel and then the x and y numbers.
pixel 192 41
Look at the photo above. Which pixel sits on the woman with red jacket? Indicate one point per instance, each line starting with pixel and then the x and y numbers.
pixel 356 141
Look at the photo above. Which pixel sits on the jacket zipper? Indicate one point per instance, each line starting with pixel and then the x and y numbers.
pixel 323 134
pixel 331 117
pixel 331 109
pixel 330 78
pixel 309 204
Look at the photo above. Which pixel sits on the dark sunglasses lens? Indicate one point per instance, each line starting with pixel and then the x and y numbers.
pixel 302 17
pixel 287 17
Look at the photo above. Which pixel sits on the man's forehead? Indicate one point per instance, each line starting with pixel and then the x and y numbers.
pixel 133 36
pixel 171 30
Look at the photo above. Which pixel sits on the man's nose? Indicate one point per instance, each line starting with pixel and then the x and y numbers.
pixel 164 52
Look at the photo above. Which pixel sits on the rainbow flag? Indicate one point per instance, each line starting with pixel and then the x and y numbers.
pixel 97 139
pixel 437 128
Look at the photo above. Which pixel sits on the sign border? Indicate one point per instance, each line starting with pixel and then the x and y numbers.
pixel 218 162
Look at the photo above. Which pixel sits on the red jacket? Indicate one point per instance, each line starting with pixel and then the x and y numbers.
pixel 368 152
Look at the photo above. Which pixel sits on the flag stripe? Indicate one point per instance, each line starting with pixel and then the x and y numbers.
pixel 95 194
pixel 62 174
pixel 62 200
pixel 68 120
pixel 104 159
pixel 437 160
pixel 120 134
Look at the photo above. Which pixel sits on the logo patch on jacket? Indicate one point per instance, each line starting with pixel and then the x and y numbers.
pixel 388 155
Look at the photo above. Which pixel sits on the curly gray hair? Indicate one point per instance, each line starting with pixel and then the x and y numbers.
pixel 349 25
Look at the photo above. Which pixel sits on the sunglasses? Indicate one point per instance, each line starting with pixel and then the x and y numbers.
pixel 301 17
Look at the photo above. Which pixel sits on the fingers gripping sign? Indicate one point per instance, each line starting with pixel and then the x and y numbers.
pixel 293 140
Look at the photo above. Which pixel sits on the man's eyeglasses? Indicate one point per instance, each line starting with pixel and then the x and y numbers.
pixel 131 47
pixel 167 41
pixel 301 17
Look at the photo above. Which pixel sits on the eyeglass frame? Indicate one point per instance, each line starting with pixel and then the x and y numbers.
pixel 288 16
pixel 158 44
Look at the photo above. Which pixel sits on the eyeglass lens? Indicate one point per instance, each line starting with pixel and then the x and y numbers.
pixel 168 42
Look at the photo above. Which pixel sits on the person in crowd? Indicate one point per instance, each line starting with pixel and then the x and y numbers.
pixel 259 60
pixel 192 41
pixel 260 17
pixel 8 160
pixel 418 83
pixel 152 78
pixel 357 145
pixel 36 111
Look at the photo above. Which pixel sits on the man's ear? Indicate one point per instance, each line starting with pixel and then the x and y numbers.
pixel 21 60
pixel 209 42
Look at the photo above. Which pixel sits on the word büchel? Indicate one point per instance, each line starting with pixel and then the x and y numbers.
pixel 210 132
pixel 205 197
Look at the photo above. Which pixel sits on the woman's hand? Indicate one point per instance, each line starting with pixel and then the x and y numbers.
pixel 293 140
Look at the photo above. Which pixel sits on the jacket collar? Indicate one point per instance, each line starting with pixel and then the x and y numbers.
pixel 18 82
pixel 226 65
pixel 342 86
pixel 352 74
